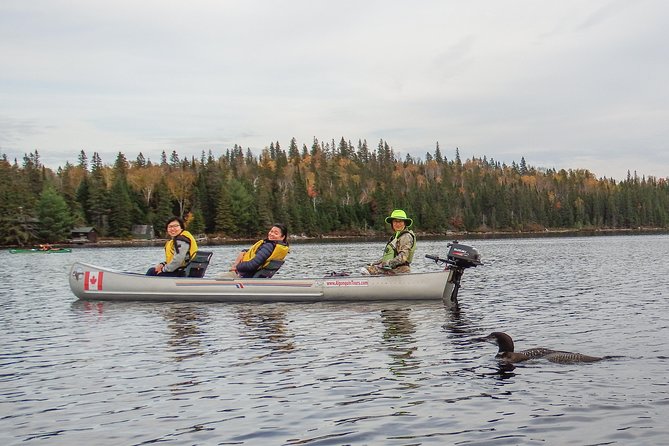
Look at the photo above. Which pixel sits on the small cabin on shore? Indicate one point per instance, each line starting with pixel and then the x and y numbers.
pixel 86 234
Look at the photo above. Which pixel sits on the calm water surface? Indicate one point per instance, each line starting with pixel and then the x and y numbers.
pixel 74 372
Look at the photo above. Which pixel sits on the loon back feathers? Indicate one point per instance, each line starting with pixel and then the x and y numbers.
pixel 538 352
pixel 506 352
pixel 570 358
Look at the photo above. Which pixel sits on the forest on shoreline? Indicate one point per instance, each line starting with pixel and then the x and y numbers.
pixel 327 190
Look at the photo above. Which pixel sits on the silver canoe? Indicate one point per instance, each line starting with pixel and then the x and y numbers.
pixel 91 282
pixel 96 283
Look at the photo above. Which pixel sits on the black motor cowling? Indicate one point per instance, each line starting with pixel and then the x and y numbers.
pixel 462 255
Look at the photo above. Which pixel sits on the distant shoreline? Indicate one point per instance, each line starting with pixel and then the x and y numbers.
pixel 218 241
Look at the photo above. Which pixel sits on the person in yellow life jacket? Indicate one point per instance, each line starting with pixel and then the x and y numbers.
pixel 179 250
pixel 399 250
pixel 274 247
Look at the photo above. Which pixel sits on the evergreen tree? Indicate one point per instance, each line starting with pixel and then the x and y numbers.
pixel 140 161
pixel 83 160
pixel 33 173
pixel 98 196
pixel 68 177
pixel 243 210
pixel 120 209
pixel 293 152
pixel 437 154
pixel 120 204
pixel 15 206
pixel 55 221
pixel 225 220
pixel 523 166
pixel 174 160
pixel 82 196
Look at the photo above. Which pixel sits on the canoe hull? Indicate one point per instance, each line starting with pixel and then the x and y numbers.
pixel 91 282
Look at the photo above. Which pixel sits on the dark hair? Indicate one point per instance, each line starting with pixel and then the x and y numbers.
pixel 179 219
pixel 284 231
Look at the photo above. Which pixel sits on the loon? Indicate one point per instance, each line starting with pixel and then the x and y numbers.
pixel 506 353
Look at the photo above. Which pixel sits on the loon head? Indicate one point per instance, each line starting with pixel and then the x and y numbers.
pixel 502 340
pixel 506 352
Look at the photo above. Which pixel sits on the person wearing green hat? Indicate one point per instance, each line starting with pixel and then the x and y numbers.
pixel 399 250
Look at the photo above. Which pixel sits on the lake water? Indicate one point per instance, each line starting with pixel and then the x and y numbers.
pixel 74 372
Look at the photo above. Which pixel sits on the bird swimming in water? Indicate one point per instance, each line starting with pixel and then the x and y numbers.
pixel 506 353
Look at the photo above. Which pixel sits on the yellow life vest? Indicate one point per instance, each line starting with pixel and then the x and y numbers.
pixel 280 252
pixel 170 247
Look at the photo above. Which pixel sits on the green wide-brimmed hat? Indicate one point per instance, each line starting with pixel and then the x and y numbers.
pixel 399 214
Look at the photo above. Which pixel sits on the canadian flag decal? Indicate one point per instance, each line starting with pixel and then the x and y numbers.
pixel 93 281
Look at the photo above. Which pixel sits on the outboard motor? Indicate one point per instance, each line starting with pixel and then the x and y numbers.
pixel 462 255
pixel 458 258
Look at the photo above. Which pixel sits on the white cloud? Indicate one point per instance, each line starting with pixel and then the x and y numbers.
pixel 566 85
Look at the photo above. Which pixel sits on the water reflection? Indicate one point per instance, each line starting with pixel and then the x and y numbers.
pixel 398 334
pixel 504 371
pixel 269 325
pixel 186 325
pixel 459 327
pixel 90 308
pixel 95 308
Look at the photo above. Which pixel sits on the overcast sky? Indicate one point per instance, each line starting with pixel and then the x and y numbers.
pixel 565 84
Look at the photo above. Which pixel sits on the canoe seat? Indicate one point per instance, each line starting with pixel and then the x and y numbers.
pixel 198 265
pixel 268 271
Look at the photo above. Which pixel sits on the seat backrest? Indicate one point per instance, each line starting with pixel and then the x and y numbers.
pixel 268 271
pixel 198 265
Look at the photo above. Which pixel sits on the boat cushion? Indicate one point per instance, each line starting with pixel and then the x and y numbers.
pixel 268 271
pixel 198 265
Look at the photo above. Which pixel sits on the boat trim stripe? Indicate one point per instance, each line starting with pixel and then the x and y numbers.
pixel 241 285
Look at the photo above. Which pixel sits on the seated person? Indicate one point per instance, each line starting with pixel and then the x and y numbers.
pixel 274 247
pixel 398 253
pixel 179 250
